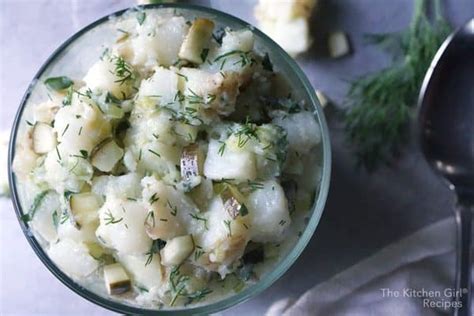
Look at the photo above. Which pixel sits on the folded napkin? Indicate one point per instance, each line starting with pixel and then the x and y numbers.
pixel 414 276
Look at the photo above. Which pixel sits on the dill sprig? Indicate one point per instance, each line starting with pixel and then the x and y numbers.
pixel 381 103
pixel 123 70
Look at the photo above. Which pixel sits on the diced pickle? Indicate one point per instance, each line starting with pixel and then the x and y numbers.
pixel 116 279
pixel 233 202
pixel 196 40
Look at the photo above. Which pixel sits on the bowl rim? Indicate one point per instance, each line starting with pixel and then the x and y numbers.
pixel 251 291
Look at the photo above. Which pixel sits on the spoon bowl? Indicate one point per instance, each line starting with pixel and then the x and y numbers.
pixel 446 135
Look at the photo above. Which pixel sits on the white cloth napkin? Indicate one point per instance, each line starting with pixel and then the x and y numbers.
pixel 384 283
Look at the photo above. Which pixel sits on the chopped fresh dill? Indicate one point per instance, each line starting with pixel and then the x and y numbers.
pixel 199 218
pixel 174 209
pixel 227 224
pixel 110 219
pixel 221 148
pixel 154 153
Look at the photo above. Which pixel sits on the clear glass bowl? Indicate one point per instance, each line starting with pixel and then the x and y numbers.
pixel 63 61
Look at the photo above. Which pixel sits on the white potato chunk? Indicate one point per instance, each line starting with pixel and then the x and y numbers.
pixel 177 250
pixel 217 91
pixel 159 40
pixel 73 258
pixel 65 173
pixel 107 156
pixel 161 87
pixel 303 132
pixel 268 212
pixel 45 111
pixel 171 210
pixel 122 226
pixel 155 157
pixel 85 207
pixel 146 273
pixel 68 230
pixel 242 40
pixel 80 126
pixel 127 185
pixel 106 76
pixel 224 240
pixel 239 165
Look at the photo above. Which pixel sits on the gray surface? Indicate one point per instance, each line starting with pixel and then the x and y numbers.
pixel 363 213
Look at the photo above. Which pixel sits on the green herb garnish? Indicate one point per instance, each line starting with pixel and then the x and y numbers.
pixel 381 103
pixel 110 219
pixel 34 206
pixel 141 16
pixel 58 83
pixel 156 246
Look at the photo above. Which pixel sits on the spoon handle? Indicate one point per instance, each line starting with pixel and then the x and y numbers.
pixel 463 264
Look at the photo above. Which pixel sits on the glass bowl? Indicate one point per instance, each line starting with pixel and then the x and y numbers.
pixel 301 87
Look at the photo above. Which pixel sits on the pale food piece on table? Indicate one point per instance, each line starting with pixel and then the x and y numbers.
pixel 287 23
pixel 338 44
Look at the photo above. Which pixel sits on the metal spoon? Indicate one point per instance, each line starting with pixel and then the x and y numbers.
pixel 446 131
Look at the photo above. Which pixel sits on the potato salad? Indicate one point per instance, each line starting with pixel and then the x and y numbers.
pixel 177 170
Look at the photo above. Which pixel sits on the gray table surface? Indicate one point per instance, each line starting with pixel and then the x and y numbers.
pixel 364 212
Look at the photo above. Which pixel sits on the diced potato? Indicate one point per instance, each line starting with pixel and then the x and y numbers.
pixel 156 157
pixel 107 156
pixel 127 185
pixel 45 111
pixel 67 229
pixel 229 165
pixel 148 47
pixel 85 207
pixel 111 74
pixel 73 258
pixel 66 173
pixel 338 44
pixel 170 210
pixel 268 212
pixel 122 226
pixel 214 90
pixel 44 138
pixel 161 87
pixel 177 250
pixel 116 279
pixel 242 40
pixel 196 40
pixel 225 239
pixel 80 126
pixel 145 272
pixel 303 132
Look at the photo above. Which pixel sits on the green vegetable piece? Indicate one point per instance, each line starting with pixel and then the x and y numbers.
pixel 58 83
